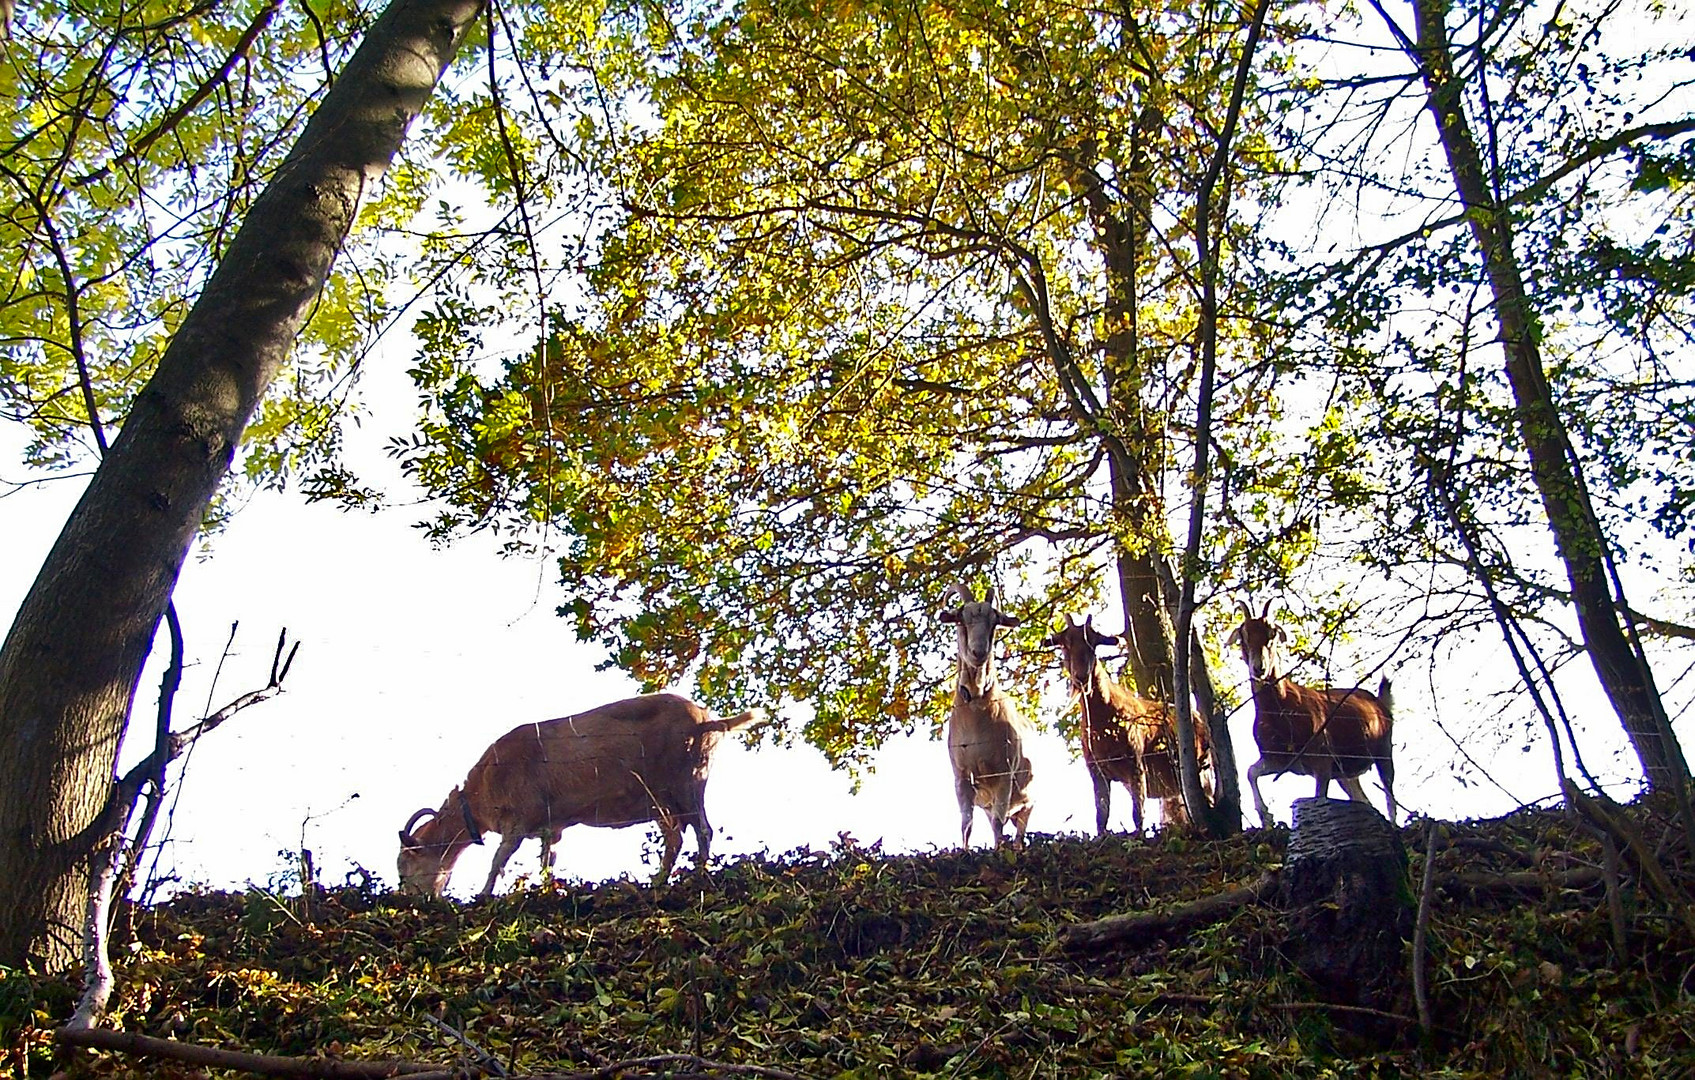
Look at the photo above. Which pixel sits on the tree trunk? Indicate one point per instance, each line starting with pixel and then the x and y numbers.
pixel 73 657
pixel 1348 902
pixel 1222 815
pixel 1623 673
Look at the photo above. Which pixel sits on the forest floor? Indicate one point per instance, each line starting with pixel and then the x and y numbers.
pixel 854 963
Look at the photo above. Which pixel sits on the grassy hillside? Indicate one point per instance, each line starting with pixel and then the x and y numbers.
pixel 854 963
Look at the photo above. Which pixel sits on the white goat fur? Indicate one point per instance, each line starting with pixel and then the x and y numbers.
pixel 985 732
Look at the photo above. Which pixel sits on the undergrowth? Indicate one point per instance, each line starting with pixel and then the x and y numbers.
pixel 854 963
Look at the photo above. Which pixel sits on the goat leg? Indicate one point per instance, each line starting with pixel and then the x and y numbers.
pixel 672 831
pixel 1134 784
pixel 508 844
pixel 1255 771
pixel 1019 821
pixel 1103 797
pixel 967 792
pixel 702 840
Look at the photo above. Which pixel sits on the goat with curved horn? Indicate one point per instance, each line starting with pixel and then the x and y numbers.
pixel 627 763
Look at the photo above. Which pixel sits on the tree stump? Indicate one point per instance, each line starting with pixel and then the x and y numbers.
pixel 1348 903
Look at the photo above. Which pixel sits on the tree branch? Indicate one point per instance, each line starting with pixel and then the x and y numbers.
pixel 192 102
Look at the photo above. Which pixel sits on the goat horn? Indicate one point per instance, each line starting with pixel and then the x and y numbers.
pixel 406 829
pixel 1266 614
pixel 992 597
pixel 1247 612
pixel 964 594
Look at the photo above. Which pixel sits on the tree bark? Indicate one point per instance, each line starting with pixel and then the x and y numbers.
pixel 1348 902
pixel 1623 673
pixel 73 657
pixel 1220 816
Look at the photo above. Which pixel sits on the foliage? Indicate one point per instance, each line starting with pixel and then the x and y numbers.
pixel 852 963
pixel 140 136
pixel 871 307
pixel 1586 123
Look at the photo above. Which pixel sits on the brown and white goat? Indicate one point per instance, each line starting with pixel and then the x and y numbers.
pixel 1126 737
pixel 1330 733
pixel 632 761
pixel 985 732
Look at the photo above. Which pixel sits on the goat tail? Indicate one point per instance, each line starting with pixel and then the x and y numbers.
pixel 745 719
pixel 1386 696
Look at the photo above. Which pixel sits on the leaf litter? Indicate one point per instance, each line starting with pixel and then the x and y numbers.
pixel 853 963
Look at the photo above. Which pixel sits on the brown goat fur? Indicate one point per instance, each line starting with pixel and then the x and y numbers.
pixel 629 762
pixel 1126 737
pixel 1330 733
pixel 985 732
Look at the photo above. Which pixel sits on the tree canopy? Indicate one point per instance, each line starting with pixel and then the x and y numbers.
pixel 885 296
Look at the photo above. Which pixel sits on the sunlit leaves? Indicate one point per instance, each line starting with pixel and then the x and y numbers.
pixel 807 384
pixel 144 132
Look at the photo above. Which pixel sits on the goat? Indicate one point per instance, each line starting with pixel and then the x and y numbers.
pixel 1333 733
pixel 1126 737
pixel 985 732
pixel 632 761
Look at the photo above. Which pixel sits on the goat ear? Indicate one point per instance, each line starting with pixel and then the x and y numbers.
pixel 1235 637
pixel 1106 639
pixel 1008 620
pixel 1282 634
pixel 948 615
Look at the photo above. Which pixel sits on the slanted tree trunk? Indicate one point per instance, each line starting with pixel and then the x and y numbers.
pixel 73 657
pixel 1348 903
pixel 1624 673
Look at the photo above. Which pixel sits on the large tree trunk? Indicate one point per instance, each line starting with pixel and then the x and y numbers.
pixel 1146 585
pixel 70 665
pixel 1348 903
pixel 1624 675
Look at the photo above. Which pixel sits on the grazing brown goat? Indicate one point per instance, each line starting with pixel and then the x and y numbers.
pixel 632 761
pixel 1126 737
pixel 1331 733
pixel 985 732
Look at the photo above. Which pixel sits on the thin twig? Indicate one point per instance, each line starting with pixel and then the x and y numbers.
pixel 484 1056
pixel 1421 930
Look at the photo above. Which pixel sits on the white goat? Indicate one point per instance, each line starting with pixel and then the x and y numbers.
pixel 985 733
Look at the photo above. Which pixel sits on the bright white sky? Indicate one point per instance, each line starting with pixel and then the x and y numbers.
pixel 413 660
